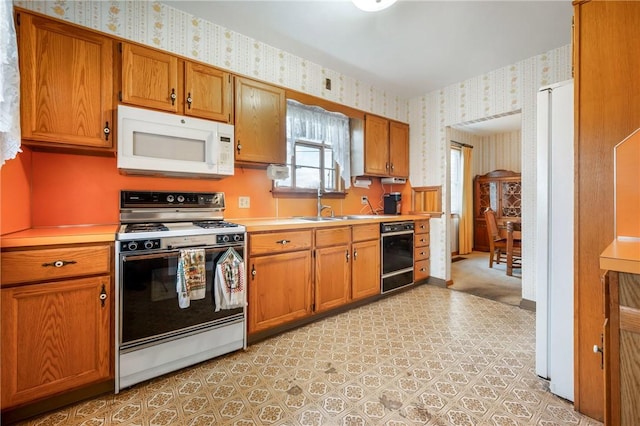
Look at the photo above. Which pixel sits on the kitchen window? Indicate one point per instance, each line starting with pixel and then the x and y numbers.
pixel 318 145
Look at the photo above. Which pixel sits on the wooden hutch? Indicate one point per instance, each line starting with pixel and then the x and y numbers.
pixel 502 191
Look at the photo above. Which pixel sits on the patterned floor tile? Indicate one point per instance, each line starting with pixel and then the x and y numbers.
pixel 428 356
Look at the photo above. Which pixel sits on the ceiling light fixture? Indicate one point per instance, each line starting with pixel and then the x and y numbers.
pixel 372 5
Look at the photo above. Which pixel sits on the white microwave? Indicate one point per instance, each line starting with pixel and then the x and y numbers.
pixel 163 144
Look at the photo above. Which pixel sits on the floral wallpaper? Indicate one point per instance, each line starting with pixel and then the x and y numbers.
pixel 163 27
pixel 497 93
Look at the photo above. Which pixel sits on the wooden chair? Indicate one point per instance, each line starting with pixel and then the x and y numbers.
pixel 497 239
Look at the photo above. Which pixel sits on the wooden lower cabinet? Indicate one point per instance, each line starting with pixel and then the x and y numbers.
pixel 421 251
pixel 279 289
pixel 55 337
pixel 296 274
pixel 365 266
pixel 622 348
pixel 332 277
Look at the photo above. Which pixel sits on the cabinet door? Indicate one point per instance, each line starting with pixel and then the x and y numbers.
pixel 365 269
pixel 208 92
pixel 279 289
pixel 259 122
pixel 66 84
pixel 55 337
pixel 376 146
pixel 399 149
pixel 333 271
pixel 150 78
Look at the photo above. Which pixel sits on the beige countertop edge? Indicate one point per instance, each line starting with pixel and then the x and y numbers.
pixel 622 255
pixel 59 235
pixel 275 224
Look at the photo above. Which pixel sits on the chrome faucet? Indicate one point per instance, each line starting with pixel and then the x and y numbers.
pixel 321 207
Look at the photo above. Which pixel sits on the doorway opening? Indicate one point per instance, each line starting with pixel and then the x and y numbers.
pixel 494 144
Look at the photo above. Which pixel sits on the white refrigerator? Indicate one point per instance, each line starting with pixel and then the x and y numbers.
pixel 554 238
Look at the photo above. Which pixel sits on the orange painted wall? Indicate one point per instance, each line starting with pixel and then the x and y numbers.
pixel 15 201
pixel 628 187
pixel 69 189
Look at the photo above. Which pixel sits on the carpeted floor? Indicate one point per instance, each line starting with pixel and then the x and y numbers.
pixel 473 275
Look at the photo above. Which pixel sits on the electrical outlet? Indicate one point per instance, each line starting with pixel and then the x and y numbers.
pixel 244 202
pixel 364 200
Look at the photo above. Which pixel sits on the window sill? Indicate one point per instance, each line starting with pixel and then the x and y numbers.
pixel 305 193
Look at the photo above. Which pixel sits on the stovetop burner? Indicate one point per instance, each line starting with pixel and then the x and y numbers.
pixel 207 224
pixel 145 227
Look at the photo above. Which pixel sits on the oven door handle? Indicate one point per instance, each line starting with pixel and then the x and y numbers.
pixel 164 254
pixel 391 234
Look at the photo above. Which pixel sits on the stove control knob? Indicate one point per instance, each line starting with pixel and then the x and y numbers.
pixel 170 198
pixel 132 246
pixel 225 238
pixel 181 198
pixel 237 237
pixel 148 244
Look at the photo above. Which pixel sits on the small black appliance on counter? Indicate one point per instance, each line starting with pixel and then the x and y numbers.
pixel 392 203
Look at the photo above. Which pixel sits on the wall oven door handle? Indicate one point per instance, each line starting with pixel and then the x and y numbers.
pixel 391 234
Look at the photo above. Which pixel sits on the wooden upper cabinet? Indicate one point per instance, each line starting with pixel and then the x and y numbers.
pixel 160 80
pixel 260 113
pixel 66 85
pixel 376 146
pixel 209 92
pixel 149 78
pixel 399 149
pixel 386 147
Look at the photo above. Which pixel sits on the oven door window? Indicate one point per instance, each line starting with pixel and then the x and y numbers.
pixel 149 301
pixel 397 252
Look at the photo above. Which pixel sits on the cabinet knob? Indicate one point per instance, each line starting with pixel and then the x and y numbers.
pixel 173 96
pixel 59 263
pixel 283 242
pixel 106 131
pixel 189 100
pixel 253 272
pixel 103 295
pixel 238 147
pixel 347 255
pixel 355 254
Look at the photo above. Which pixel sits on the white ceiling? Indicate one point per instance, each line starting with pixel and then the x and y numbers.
pixel 409 49
pixel 504 124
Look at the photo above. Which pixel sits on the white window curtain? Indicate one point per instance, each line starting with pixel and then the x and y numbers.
pixel 317 124
pixel 9 85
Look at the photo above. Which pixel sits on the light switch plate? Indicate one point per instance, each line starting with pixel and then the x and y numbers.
pixel 244 202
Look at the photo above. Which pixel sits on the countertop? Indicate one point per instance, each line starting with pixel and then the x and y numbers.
pixel 107 233
pixel 59 235
pixel 274 224
pixel 622 255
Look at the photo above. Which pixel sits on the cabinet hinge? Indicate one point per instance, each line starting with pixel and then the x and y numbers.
pixel 120 95
pixel 313 307
pixel 17 18
pixel 120 47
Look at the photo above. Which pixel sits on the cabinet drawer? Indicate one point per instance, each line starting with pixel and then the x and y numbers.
pixel 421 253
pixel 370 231
pixel 279 242
pixel 48 264
pixel 421 270
pixel 421 240
pixel 333 236
pixel 421 226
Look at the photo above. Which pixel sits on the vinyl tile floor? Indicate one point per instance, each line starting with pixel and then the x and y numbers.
pixel 427 356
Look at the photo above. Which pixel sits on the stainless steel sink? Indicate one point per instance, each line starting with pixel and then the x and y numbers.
pixel 319 218
pixel 362 216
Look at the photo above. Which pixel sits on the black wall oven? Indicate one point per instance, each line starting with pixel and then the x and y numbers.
pixel 397 255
